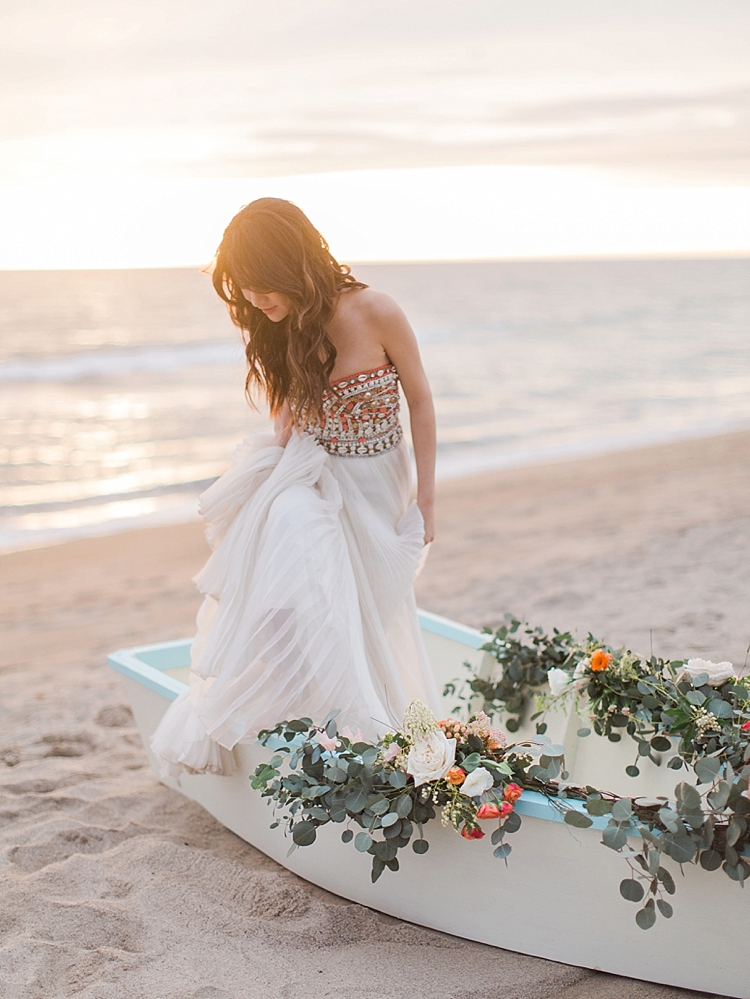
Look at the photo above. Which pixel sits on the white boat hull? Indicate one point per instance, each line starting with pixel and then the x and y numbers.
pixel 557 897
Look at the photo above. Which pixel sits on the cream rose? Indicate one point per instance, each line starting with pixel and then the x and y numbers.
pixel 431 757
pixel 718 673
pixel 558 681
pixel 478 781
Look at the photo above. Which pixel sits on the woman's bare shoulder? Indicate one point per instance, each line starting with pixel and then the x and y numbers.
pixel 374 306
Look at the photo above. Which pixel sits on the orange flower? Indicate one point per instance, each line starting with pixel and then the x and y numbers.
pixel 455 775
pixel 474 833
pixel 488 811
pixel 505 809
pixel 512 793
pixel 600 660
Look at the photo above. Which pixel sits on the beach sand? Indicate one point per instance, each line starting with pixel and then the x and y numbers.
pixel 114 886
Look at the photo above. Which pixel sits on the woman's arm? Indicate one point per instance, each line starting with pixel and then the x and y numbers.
pixel 400 344
pixel 282 426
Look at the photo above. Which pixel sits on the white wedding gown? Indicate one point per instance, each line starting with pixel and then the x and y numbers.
pixel 308 601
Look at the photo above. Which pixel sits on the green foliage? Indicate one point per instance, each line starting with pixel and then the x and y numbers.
pixel 525 655
pixel 663 710
pixel 352 783
pixel 653 702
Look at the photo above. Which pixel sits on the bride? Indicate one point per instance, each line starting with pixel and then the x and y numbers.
pixel 308 602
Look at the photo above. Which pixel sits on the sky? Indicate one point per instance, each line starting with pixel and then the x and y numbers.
pixel 131 131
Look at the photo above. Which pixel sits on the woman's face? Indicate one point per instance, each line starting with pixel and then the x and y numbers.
pixel 272 303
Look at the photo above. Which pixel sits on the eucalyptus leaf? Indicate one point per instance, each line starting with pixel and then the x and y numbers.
pixel 614 836
pixel 502 851
pixel 664 908
pixel 597 806
pixel 583 732
pixel 363 842
pixel 667 880
pixel 680 847
pixel 707 769
pixel 420 846
pixel 631 890
pixel 304 833
pixel 356 800
pixel 347 836
pixel 577 819
pixel 646 917
pixel 737 872
pixel 403 805
pixel 512 823
pixel 622 809
pixel 389 819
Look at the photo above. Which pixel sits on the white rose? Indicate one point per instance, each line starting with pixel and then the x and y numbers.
pixel 718 673
pixel 558 680
pixel 478 781
pixel 581 668
pixel 431 757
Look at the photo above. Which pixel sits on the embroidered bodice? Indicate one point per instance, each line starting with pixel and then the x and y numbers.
pixel 360 415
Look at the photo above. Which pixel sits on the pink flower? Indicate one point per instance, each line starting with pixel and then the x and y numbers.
pixel 489 811
pixel 512 793
pixel 391 752
pixel 745 726
pixel 352 736
pixel 505 809
pixel 474 833
pixel 327 742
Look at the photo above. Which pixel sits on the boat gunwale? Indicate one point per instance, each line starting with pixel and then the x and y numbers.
pixel 146 665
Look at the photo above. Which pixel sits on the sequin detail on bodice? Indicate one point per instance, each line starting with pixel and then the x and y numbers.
pixel 360 417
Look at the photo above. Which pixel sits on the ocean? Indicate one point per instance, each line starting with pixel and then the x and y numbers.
pixel 121 392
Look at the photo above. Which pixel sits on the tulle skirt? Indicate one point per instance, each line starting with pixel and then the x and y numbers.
pixel 308 602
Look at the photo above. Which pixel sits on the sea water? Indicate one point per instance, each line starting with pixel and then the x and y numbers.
pixel 121 392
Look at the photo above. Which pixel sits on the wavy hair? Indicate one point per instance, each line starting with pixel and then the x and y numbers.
pixel 271 245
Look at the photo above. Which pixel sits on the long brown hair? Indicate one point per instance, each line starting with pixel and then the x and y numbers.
pixel 271 245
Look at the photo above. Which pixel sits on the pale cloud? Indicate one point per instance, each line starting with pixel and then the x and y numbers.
pixel 164 89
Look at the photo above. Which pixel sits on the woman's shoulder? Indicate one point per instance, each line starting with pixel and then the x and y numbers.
pixel 369 304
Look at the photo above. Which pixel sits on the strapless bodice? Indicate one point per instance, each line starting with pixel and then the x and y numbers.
pixel 360 414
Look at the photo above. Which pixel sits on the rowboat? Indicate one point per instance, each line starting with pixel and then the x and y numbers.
pixel 556 897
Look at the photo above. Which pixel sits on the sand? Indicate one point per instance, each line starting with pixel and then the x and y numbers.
pixel 114 886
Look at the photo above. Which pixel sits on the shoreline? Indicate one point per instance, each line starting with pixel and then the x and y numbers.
pixel 458 469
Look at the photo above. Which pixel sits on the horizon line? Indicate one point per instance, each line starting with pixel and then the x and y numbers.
pixel 529 258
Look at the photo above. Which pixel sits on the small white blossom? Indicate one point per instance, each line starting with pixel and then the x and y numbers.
pixel 419 721
pixel 581 668
pixel 477 782
pixel 558 680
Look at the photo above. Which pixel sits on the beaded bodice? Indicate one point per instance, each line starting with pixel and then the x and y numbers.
pixel 360 415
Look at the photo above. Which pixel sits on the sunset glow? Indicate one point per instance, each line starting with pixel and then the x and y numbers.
pixel 416 214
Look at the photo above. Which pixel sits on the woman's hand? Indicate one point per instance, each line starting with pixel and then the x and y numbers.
pixel 427 509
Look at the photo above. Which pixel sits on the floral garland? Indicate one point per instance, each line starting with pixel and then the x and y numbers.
pixel 391 789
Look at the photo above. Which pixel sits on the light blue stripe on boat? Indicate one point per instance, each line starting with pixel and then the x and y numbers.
pixel 145 663
pixel 446 628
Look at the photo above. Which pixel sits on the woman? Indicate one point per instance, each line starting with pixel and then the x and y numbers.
pixel 308 593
